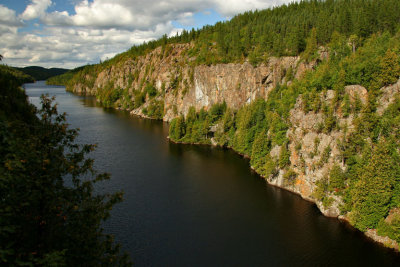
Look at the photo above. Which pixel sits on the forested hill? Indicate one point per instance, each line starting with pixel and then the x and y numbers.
pixel 281 31
pixel 40 73
pixel 309 91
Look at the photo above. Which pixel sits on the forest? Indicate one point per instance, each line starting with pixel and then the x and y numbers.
pixel 49 212
pixel 362 40
pixel 279 31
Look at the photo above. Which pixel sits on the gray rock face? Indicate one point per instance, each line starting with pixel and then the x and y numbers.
pixel 200 86
pixel 389 94
pixel 357 91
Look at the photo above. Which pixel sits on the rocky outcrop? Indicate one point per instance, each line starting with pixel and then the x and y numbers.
pixel 389 95
pixel 384 240
pixel 183 85
pixel 312 154
pixel 357 92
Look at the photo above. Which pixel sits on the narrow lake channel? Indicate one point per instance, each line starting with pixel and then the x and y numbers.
pixel 188 205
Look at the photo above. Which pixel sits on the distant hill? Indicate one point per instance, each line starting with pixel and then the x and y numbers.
pixel 40 73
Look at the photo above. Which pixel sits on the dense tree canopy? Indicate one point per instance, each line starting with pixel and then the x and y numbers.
pixel 49 212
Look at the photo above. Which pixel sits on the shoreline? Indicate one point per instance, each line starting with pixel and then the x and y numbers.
pixel 370 234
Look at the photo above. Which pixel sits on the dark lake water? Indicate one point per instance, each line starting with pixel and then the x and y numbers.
pixel 191 205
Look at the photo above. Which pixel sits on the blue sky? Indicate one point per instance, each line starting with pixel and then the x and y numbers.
pixel 71 33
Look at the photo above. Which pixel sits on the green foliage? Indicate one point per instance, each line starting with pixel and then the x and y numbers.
pixel 336 178
pixel 40 73
pixel 177 128
pixel 372 193
pixel 108 95
pixel 151 90
pixel 321 190
pixel 321 193
pixel 270 166
pixel 390 229
pixel 13 77
pixel 155 109
pixel 310 52
pixel 290 177
pixel 284 156
pixel 49 212
pixel 139 99
pixel 261 147
pixel 324 156
pixel 216 111
pixel 389 71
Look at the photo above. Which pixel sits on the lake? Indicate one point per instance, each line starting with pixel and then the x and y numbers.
pixel 188 205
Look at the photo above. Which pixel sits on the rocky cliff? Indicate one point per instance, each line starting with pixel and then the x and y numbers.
pixel 181 85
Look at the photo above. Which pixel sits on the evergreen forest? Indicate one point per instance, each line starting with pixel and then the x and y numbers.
pixel 49 212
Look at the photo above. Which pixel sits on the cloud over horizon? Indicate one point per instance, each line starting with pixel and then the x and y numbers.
pixel 93 30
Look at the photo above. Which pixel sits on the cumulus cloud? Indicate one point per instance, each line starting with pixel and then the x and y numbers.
pixel 99 29
pixel 145 14
pixel 230 8
pixel 36 9
pixel 9 18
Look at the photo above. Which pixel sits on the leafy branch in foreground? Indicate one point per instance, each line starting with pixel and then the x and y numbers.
pixel 49 211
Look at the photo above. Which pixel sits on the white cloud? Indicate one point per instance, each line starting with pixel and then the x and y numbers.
pixel 8 17
pixel 230 8
pixel 36 9
pixel 145 14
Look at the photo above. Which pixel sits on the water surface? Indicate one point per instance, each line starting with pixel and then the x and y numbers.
pixel 189 205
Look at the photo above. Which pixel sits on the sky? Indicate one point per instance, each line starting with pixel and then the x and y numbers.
pixel 72 33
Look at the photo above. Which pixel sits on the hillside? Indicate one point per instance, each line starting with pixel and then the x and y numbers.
pixel 14 77
pixel 40 73
pixel 309 92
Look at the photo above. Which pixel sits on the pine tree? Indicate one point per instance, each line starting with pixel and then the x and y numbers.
pixel 311 46
pixel 373 192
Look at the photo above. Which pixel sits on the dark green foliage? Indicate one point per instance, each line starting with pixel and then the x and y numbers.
pixel 151 90
pixel 177 128
pixel 261 147
pixel 284 157
pixel 310 52
pixel 390 229
pixel 389 71
pixel 321 193
pixel 139 99
pixel 40 73
pixel 216 111
pixel 11 77
pixel 336 178
pixel 13 104
pixel 270 166
pixel 155 109
pixel 49 212
pixel 108 95
pixel 373 191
